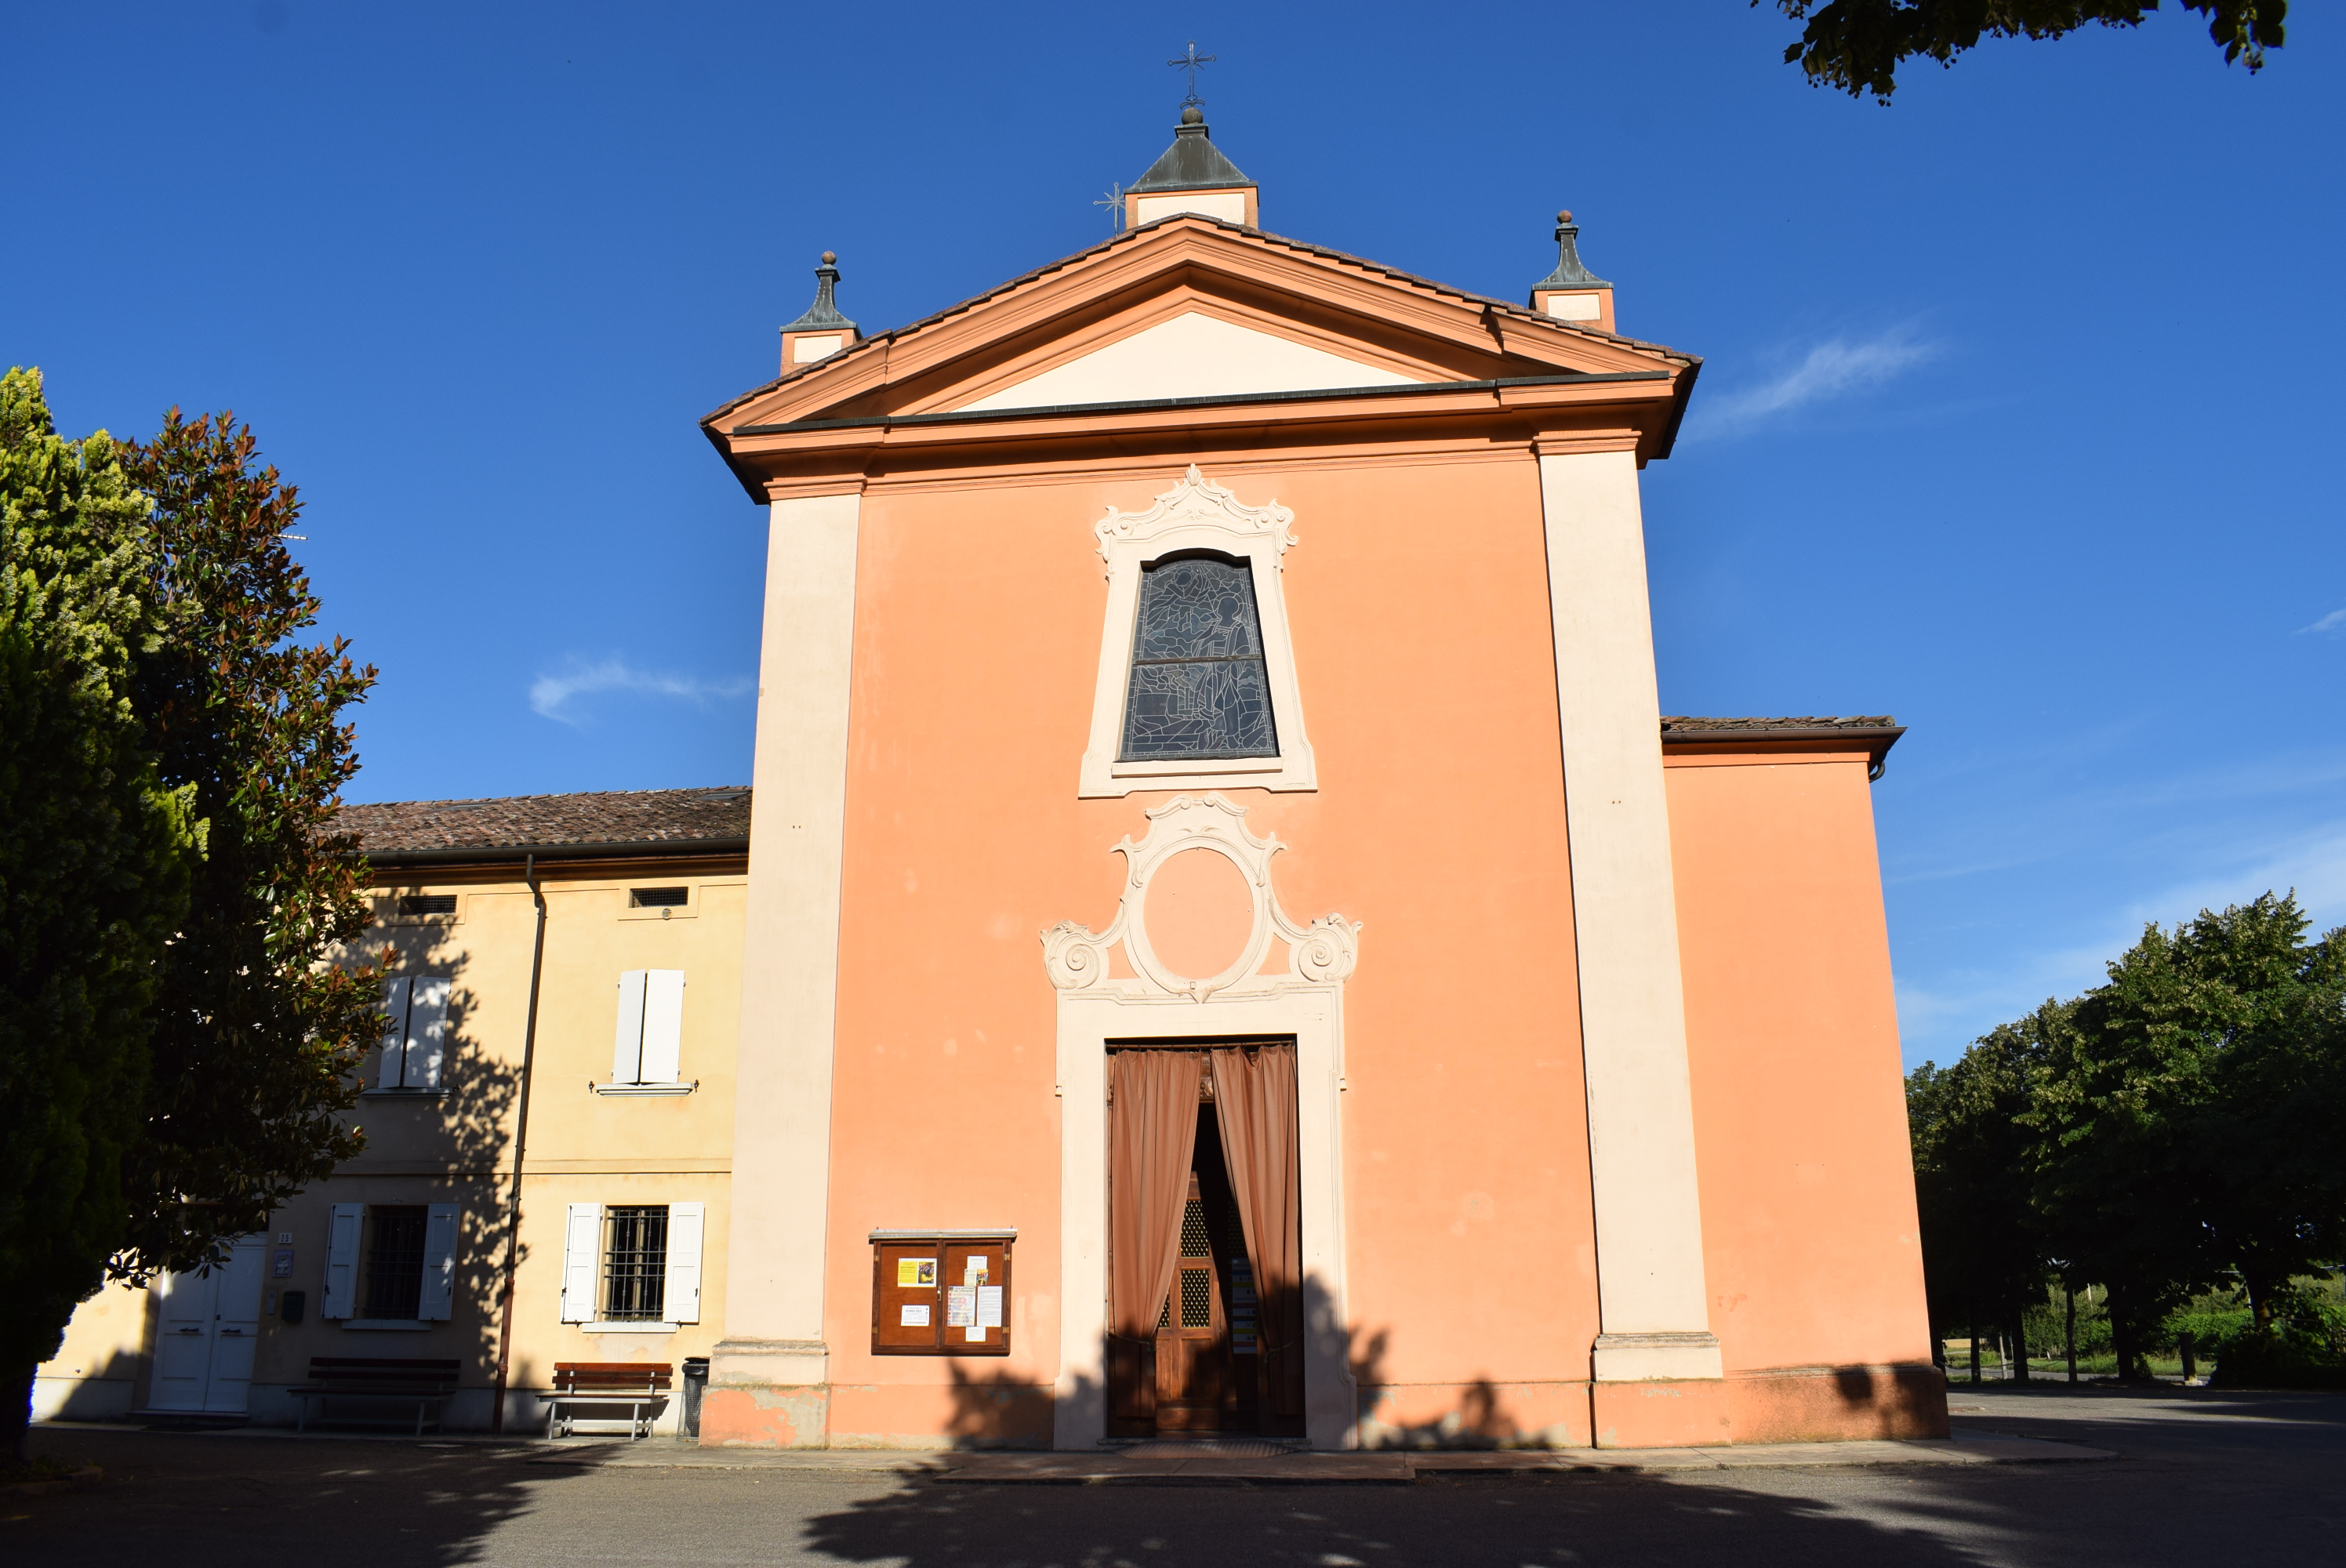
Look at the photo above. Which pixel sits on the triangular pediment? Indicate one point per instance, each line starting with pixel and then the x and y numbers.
pixel 1187 307
pixel 1192 354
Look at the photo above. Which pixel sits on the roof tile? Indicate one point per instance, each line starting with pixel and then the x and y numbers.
pixel 618 817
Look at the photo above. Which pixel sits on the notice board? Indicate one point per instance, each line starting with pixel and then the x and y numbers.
pixel 941 1293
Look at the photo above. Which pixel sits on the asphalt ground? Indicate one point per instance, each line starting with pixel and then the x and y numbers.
pixel 2203 1476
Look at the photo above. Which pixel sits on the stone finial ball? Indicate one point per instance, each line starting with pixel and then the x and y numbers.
pixel 1193 116
pixel 1565 216
pixel 831 258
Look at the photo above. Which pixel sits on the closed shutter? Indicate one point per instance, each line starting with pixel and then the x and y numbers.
pixel 427 1031
pixel 580 1244
pixel 627 1040
pixel 439 1263
pixel 663 1026
pixel 685 1223
pixel 392 1073
pixel 343 1259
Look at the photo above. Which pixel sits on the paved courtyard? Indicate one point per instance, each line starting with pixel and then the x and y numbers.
pixel 2201 1476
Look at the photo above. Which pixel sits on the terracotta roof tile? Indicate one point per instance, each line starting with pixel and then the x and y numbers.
pixel 623 820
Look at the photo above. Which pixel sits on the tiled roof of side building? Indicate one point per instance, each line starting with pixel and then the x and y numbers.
pixel 614 822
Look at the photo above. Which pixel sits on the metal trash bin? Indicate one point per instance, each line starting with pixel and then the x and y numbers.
pixel 695 1380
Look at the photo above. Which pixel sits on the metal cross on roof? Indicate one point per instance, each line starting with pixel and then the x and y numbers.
pixel 1114 202
pixel 1192 62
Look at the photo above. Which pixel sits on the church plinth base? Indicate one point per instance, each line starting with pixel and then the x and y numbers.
pixel 774 1416
pixel 1658 1412
pixel 1838 1404
pixel 766 1394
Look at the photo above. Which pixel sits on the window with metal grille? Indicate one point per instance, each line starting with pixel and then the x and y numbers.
pixel 394 1262
pixel 658 898
pixel 635 1264
pixel 413 904
pixel 1198 686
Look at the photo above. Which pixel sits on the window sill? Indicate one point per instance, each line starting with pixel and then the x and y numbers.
pixel 628 1328
pixel 403 1094
pixel 1158 768
pixel 388 1325
pixel 1290 772
pixel 638 1091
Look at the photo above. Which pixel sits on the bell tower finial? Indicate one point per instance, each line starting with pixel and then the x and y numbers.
pixel 821 331
pixel 1572 292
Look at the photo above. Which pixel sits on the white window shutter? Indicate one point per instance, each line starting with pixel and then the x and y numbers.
pixel 580 1245
pixel 627 1040
pixel 685 1223
pixel 663 1026
pixel 427 1031
pixel 342 1260
pixel 394 1035
pixel 439 1263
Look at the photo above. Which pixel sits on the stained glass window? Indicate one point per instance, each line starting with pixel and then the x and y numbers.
pixel 1198 686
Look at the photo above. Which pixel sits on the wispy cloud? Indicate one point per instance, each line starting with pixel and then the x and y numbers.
pixel 2335 620
pixel 1831 369
pixel 554 695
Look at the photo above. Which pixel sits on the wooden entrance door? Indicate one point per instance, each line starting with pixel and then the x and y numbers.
pixel 209 1325
pixel 1193 1341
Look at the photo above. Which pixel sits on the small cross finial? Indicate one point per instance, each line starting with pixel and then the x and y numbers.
pixel 1114 202
pixel 1192 62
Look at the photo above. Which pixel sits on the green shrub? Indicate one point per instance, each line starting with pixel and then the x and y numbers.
pixel 2304 1349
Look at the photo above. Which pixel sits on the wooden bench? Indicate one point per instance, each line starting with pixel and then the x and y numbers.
pixel 634 1384
pixel 424 1382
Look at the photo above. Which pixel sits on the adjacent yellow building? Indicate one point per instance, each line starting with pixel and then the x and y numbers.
pixel 630 940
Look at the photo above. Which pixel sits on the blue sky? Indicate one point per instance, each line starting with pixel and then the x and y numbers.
pixel 2019 419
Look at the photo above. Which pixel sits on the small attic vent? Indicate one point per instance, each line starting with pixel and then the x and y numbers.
pixel 658 898
pixel 413 904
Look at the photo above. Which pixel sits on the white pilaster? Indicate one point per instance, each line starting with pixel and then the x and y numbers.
pixel 789 974
pixel 1654 1320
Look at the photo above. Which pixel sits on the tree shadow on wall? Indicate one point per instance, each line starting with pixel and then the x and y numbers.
pixel 1480 1419
pixel 993 1410
pixel 464 1132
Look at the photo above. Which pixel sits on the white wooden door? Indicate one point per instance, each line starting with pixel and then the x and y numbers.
pixel 183 1342
pixel 236 1326
pixel 205 1333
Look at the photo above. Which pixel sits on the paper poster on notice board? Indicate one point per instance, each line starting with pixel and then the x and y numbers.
pixel 914 1316
pixel 916 1273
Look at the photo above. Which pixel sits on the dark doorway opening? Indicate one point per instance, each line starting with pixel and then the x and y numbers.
pixel 1198 1358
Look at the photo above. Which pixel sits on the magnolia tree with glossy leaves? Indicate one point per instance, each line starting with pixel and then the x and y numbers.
pixel 178 1052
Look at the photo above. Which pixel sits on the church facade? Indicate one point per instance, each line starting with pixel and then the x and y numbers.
pixel 1222 938
pixel 1231 943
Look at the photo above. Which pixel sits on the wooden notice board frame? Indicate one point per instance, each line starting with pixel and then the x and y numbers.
pixel 917 1280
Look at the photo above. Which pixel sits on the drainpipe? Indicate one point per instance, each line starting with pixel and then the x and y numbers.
pixel 521 1139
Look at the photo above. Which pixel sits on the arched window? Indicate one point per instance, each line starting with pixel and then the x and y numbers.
pixel 1198 686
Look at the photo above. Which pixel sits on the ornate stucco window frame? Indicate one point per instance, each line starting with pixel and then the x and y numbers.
pixel 1195 515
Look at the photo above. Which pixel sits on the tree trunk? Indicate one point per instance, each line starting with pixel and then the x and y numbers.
pixel 2070 1334
pixel 1972 1322
pixel 2260 1308
pixel 16 1390
pixel 2020 1343
pixel 2123 1340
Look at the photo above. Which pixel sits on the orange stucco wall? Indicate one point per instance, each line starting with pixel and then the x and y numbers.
pixel 1427 677
pixel 1810 1251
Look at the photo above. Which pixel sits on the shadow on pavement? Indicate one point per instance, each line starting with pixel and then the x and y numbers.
pixel 2223 1477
